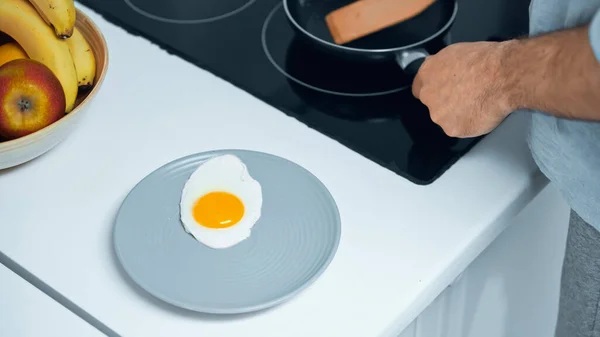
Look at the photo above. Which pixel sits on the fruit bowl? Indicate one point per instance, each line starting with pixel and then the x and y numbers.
pixel 20 150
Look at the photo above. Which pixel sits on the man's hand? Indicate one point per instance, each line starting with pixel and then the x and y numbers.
pixel 470 88
pixel 464 88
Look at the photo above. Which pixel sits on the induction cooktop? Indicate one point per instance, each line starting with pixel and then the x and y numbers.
pixel 368 108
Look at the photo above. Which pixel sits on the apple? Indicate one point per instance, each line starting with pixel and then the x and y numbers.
pixel 31 98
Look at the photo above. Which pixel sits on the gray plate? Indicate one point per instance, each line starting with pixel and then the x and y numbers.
pixel 290 246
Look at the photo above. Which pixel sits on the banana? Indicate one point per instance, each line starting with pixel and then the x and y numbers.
pixel 20 20
pixel 83 56
pixel 60 14
pixel 11 51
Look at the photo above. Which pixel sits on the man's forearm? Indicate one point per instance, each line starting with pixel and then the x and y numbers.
pixel 557 73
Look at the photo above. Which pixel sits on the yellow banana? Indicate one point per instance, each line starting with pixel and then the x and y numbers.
pixel 83 57
pixel 20 20
pixel 60 14
pixel 11 51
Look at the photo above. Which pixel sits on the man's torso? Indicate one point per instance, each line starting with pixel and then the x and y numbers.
pixel 567 151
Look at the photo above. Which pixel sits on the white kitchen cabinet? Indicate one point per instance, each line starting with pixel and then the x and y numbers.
pixel 512 288
pixel 25 311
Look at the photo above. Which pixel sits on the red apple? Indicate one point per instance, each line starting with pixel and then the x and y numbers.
pixel 31 98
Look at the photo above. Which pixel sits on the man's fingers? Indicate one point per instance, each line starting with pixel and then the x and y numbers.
pixel 417 85
pixel 418 81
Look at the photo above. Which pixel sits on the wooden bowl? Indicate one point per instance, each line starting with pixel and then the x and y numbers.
pixel 18 151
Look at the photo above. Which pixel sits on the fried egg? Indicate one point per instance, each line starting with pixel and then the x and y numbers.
pixel 221 202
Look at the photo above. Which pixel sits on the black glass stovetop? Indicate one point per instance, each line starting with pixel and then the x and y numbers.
pixel 368 108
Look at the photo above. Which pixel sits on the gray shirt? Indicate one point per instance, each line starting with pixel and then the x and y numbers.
pixel 568 151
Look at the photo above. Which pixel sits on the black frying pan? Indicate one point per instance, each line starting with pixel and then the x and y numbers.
pixel 405 42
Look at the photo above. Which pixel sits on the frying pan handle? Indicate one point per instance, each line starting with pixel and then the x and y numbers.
pixel 411 60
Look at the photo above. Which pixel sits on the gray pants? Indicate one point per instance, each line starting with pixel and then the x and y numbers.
pixel 579 314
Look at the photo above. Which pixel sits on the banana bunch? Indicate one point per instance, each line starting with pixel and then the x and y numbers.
pixel 46 32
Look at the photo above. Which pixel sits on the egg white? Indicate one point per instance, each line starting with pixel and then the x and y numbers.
pixel 224 173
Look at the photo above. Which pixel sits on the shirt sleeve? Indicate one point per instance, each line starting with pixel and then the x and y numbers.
pixel 594 34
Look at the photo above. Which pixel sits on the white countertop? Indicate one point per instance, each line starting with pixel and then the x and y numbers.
pixel 26 311
pixel 401 243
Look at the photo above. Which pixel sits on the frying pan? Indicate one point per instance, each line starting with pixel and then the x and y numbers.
pixel 406 42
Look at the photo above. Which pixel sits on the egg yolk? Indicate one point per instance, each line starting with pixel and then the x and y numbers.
pixel 218 210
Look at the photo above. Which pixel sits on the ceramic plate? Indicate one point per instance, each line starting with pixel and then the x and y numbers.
pixel 290 246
